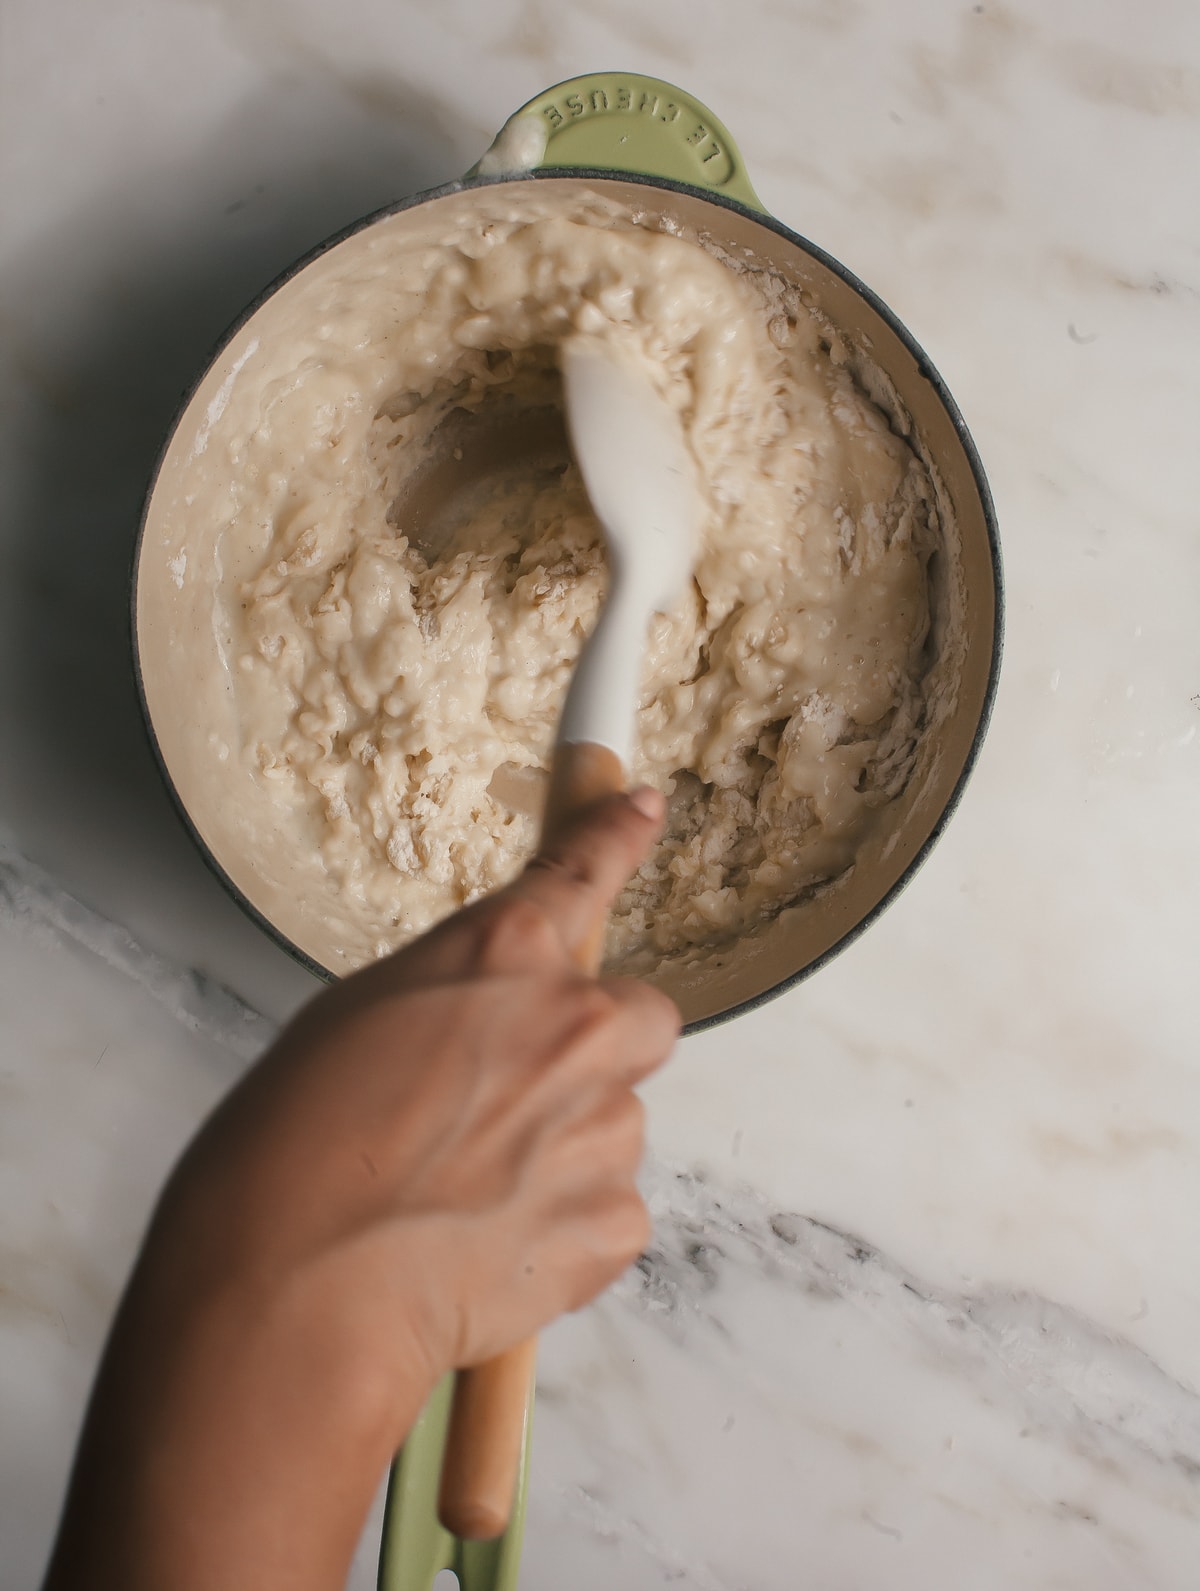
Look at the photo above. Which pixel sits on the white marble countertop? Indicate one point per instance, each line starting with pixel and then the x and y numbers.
pixel 923 1308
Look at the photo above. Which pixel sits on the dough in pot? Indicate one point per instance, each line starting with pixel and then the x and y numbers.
pixel 378 692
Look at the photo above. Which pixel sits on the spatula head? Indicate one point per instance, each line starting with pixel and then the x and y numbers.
pixel 640 476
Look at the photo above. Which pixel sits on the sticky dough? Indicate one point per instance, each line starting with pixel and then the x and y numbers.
pixel 377 695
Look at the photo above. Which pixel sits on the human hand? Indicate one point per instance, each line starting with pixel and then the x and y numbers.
pixel 435 1159
pixel 462 1114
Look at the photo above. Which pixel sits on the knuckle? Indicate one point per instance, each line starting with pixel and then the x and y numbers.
pixel 593 1005
pixel 516 930
pixel 660 1009
pixel 589 1280
pixel 629 1118
pixel 652 1003
pixel 617 1230
pixel 651 1014
pixel 627 1227
pixel 564 865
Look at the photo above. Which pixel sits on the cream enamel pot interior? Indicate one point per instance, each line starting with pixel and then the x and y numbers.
pixel 172 625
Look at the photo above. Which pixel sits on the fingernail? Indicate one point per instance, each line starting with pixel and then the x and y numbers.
pixel 648 802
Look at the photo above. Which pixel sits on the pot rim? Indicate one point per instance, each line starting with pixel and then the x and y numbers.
pixel 711 196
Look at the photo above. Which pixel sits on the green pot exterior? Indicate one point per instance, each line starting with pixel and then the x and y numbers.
pixel 416 1547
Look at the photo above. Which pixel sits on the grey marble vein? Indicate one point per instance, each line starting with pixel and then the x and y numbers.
pixel 1058 1365
pixel 32 901
pixel 1055 1363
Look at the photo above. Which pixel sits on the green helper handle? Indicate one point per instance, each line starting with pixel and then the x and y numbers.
pixel 416 1547
pixel 621 121
pixel 609 122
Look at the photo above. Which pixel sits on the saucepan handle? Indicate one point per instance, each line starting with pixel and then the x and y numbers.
pixel 621 121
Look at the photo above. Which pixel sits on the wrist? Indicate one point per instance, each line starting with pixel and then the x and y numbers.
pixel 240 1416
pixel 348 1311
pixel 318 1351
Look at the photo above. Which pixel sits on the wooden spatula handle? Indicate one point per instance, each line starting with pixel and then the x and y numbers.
pixel 483 1445
pixel 581 774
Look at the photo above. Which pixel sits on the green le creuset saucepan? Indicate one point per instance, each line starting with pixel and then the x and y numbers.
pixel 661 153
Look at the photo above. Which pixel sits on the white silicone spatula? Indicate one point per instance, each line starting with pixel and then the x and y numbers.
pixel 641 480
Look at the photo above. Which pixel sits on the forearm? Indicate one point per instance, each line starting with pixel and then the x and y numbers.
pixel 233 1438
pixel 430 1163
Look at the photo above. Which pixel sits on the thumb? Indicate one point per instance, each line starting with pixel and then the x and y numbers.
pixel 584 863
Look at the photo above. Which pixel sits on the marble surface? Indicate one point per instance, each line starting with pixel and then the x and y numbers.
pixel 923 1305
